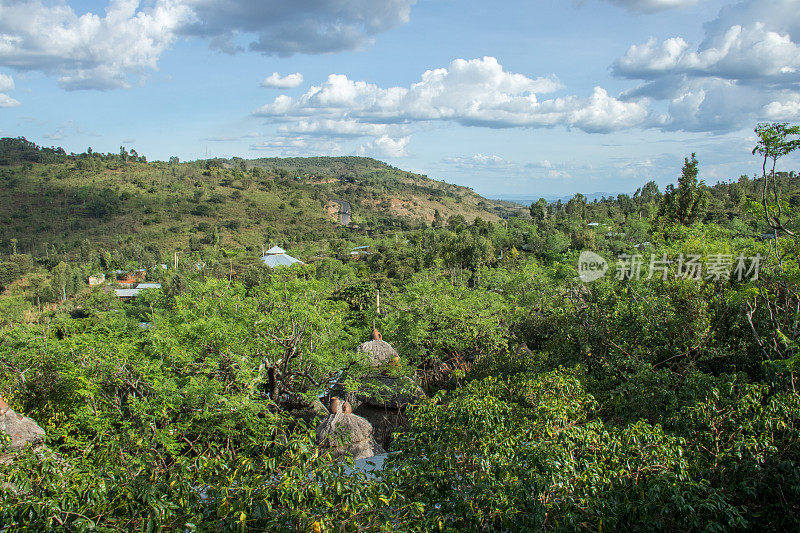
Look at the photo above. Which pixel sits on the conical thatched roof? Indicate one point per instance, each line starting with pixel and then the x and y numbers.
pixel 347 434
pixel 381 390
pixel 379 352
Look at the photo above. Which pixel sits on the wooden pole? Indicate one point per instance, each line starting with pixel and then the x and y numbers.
pixel 378 301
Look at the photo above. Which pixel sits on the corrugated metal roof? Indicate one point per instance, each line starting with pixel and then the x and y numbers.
pixel 283 259
pixel 130 293
pixel 276 250
pixel 126 293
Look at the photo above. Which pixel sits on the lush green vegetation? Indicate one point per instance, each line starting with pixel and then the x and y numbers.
pixel 661 401
pixel 50 202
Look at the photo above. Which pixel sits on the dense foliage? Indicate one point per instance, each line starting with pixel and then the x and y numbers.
pixel 662 396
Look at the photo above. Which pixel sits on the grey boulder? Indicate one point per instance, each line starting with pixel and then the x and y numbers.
pixel 22 430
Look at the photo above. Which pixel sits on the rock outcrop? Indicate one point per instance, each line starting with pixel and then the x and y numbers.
pixel 22 430
pixel 347 434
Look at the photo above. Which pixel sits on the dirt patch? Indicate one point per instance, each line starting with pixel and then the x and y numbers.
pixel 332 211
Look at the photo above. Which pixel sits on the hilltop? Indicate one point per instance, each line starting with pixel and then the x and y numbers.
pixel 53 200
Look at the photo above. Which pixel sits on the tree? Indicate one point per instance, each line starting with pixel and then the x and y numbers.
pixel 12 310
pixel 9 272
pixel 62 276
pixel 691 200
pixel 437 218
pixel 773 143
pixel 626 205
pixel 539 210
pixel 648 192
pixel 104 203
pixel 258 173
pixel 686 204
pixel 40 288
pixel 456 222
pixel 577 206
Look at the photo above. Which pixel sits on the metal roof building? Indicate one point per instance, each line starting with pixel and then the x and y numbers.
pixel 277 256
pixel 132 293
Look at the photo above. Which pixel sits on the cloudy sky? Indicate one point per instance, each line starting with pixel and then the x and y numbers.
pixel 512 98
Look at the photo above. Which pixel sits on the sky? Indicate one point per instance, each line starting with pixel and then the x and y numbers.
pixel 516 99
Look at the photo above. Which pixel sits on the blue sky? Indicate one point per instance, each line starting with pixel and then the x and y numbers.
pixel 512 98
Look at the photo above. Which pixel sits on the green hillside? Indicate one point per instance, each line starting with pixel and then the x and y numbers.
pixel 50 200
pixel 625 364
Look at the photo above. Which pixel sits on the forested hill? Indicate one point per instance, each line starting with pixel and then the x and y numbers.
pixel 625 364
pixel 49 198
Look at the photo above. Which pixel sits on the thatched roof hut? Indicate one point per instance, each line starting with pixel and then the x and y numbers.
pixel 379 352
pixel 383 392
pixel 347 434
pixel 381 389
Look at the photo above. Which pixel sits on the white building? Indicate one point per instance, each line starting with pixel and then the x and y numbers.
pixel 277 256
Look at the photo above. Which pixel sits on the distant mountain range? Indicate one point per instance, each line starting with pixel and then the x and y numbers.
pixel 525 199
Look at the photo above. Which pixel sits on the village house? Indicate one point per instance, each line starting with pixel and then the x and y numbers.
pixel 277 256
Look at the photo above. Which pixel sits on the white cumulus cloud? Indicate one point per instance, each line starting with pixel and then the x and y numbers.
pixel 341 128
pixel 739 53
pixel 7 84
pixel 785 110
pixel 7 101
pixel 385 147
pixel 746 69
pixel 102 51
pixel 275 81
pixel 480 161
pixel 476 92
pixel 87 51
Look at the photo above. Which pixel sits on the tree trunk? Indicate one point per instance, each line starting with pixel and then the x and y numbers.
pixel 274 388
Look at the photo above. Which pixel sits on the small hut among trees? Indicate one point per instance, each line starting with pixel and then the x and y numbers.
pixel 277 256
pixel 383 393
pixel 344 433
